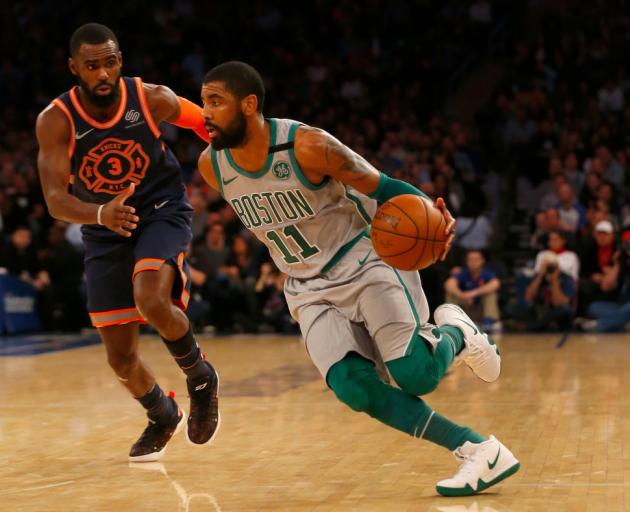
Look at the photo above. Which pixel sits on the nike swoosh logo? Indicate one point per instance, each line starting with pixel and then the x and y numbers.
pixel 471 326
pixel 157 206
pixel 79 136
pixel 227 182
pixel 362 261
pixel 203 386
pixel 134 124
pixel 496 459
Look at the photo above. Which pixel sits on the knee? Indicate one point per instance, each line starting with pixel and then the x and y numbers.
pixel 349 387
pixel 416 380
pixel 152 305
pixel 123 364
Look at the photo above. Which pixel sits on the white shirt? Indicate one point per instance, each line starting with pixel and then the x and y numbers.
pixel 567 261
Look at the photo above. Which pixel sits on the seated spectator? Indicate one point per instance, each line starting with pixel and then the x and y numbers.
pixel 613 315
pixel 573 173
pixel 596 259
pixel 274 313
pixel 572 214
pixel 19 258
pixel 475 288
pixel 590 189
pixel 473 227
pixel 567 260
pixel 547 301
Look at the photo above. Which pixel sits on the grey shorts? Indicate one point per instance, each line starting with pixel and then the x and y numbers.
pixel 361 305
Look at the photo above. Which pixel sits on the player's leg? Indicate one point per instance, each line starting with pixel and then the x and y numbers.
pixel 160 278
pixel 108 270
pixel 486 462
pixel 417 355
pixel 165 417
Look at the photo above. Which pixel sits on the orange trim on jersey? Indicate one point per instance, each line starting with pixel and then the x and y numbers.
pixel 144 105
pixel 146 264
pixel 92 122
pixel 138 319
pixel 116 317
pixel 62 106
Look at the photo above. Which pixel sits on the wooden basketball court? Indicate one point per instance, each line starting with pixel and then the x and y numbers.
pixel 286 444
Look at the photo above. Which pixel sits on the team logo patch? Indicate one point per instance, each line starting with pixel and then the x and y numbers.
pixel 281 170
pixel 112 165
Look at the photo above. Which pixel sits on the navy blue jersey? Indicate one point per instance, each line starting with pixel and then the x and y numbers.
pixel 107 157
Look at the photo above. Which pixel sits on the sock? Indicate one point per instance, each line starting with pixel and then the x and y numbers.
pixel 159 407
pixel 455 337
pixel 187 355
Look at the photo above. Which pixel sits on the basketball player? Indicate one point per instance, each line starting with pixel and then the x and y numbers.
pixel 305 196
pixel 102 137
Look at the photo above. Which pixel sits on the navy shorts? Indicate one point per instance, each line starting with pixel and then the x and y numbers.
pixel 111 265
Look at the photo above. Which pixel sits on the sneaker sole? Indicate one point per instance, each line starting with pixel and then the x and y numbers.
pixel 481 485
pixel 216 430
pixel 155 456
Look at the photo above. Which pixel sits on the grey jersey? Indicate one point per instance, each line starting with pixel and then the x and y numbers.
pixel 306 227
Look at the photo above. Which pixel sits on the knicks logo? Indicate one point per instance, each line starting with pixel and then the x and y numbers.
pixel 112 165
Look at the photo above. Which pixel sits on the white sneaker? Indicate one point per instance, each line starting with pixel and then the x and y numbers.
pixel 480 353
pixel 485 464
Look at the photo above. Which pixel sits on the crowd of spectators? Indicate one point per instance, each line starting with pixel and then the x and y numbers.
pixel 376 75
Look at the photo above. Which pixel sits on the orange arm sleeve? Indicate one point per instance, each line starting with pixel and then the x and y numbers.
pixel 190 117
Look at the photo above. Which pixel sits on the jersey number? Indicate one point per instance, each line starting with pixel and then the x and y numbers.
pixel 306 250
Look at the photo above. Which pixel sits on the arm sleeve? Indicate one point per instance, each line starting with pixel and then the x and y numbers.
pixel 190 117
pixel 390 187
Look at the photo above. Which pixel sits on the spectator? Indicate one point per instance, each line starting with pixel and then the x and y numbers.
pixel 597 260
pixel 567 260
pixel 613 315
pixel 272 304
pixel 572 214
pixel 547 302
pixel 475 289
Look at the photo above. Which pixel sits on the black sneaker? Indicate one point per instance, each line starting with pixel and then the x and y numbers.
pixel 204 420
pixel 152 443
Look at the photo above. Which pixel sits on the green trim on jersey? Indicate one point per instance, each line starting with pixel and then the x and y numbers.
pixel 217 172
pixel 296 165
pixel 359 205
pixel 343 250
pixel 266 166
pixel 413 311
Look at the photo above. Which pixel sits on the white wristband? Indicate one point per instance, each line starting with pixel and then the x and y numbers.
pixel 98 215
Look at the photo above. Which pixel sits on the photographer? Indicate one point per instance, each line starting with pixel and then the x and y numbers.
pixel 613 315
pixel 547 304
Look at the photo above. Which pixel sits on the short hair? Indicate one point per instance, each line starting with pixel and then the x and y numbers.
pixel 91 33
pixel 240 79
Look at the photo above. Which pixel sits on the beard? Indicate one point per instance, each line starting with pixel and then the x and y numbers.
pixel 232 136
pixel 101 100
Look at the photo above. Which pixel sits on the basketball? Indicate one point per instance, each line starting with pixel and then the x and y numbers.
pixel 408 232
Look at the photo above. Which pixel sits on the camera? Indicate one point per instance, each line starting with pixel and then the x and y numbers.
pixel 551 268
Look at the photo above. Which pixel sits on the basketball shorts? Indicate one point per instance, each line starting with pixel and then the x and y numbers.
pixel 360 305
pixel 111 265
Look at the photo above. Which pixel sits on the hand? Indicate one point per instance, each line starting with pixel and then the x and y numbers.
pixel 449 230
pixel 468 297
pixel 119 217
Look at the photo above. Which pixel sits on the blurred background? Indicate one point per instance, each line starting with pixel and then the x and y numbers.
pixel 514 112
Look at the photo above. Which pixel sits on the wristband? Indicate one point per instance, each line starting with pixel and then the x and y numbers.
pixel 390 187
pixel 99 221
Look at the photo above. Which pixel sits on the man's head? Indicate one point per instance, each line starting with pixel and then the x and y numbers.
pixel 565 195
pixel 21 237
pixel 604 233
pixel 96 61
pixel 557 240
pixel 231 93
pixel 215 236
pixel 475 261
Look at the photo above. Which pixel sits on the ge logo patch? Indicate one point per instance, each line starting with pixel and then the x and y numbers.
pixel 111 166
pixel 281 170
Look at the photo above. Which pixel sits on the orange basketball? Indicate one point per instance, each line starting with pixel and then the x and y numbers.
pixel 408 232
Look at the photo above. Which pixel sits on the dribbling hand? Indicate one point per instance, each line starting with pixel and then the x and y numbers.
pixel 119 217
pixel 450 226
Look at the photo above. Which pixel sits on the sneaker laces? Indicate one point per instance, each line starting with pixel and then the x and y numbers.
pixel 467 467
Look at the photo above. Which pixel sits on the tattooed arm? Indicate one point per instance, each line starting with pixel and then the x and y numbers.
pixel 320 154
